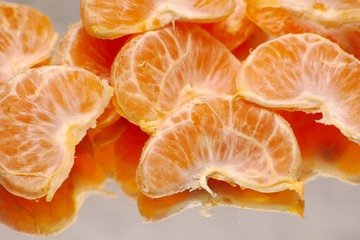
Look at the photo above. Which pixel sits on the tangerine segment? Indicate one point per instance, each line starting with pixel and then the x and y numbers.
pixel 325 150
pixel 44 113
pixel 77 48
pixel 158 70
pixel 305 72
pixel 337 20
pixel 39 217
pixel 157 209
pixel 112 19
pixel 233 30
pixel 222 138
pixel 27 38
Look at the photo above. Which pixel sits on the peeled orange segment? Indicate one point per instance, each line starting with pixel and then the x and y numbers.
pixel 337 20
pixel 233 30
pixel 155 72
pixel 27 38
pixel 157 209
pixel 325 150
pixel 44 113
pixel 222 138
pixel 112 19
pixel 77 48
pixel 305 72
pixel 39 217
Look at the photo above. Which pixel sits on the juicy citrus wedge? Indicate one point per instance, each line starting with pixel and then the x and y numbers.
pixel 44 113
pixel 39 217
pixel 27 38
pixel 112 19
pixel 325 150
pixel 337 20
pixel 222 138
pixel 305 72
pixel 77 48
pixel 157 209
pixel 233 30
pixel 155 72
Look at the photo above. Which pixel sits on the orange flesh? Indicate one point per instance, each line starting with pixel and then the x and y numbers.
pixel 111 19
pixel 77 48
pixel 235 29
pixel 44 113
pixel 155 72
pixel 216 137
pixel 337 20
pixel 305 72
pixel 27 38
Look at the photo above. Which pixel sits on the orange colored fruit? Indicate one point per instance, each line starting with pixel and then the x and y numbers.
pixel 305 72
pixel 77 48
pixel 27 38
pixel 337 20
pixel 39 217
pixel 156 209
pixel 222 138
pixel 155 72
pixel 325 150
pixel 112 19
pixel 44 113
pixel 235 29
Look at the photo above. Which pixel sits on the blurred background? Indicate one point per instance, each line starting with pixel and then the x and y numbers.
pixel 332 208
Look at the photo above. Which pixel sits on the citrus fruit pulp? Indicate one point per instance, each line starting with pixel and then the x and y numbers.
pixel 155 72
pixel 305 72
pixel 112 19
pixel 77 48
pixel 337 20
pixel 222 138
pixel 44 113
pixel 27 38
pixel 233 30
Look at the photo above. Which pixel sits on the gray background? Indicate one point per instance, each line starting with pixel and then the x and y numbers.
pixel 332 208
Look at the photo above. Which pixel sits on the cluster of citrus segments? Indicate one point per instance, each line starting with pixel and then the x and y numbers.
pixel 182 104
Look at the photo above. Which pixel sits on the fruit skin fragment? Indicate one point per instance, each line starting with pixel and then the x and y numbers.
pixel 222 138
pixel 44 113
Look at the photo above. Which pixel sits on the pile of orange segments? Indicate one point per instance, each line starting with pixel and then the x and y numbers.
pixel 229 102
